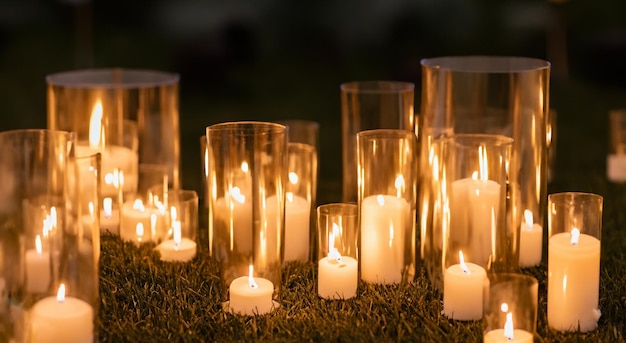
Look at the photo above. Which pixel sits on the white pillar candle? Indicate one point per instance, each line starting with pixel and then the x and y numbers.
pixel 62 319
pixel 337 276
pixel 475 202
pixel 463 290
pixel 573 281
pixel 509 334
pixel 297 227
pixel 236 214
pixel 383 226
pixel 178 248
pixel 37 269
pixel 250 295
pixel 136 221
pixel 530 243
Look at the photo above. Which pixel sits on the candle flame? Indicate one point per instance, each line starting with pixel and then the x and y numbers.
pixel 289 196
pixel 380 199
pixel 244 167
pixel 138 205
pixel 107 207
pixel 575 236
pixel 38 245
pixel 504 307
pixel 462 263
pixel 528 219
pixel 508 327
pixel 333 253
pixel 139 230
pixel 96 129
pixel 475 175
pixel 177 233
pixel 482 160
pixel 293 178
pixel 61 293
pixel 251 281
pixel 153 220
pixel 235 193
pixel 92 209
pixel 173 213
pixel 399 184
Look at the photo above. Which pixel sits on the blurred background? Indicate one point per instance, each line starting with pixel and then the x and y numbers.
pixel 280 59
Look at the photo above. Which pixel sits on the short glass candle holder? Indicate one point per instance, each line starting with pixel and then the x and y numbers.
pixel 45 241
pixel 387 172
pixel 247 171
pixel 178 228
pixel 575 226
pixel 370 105
pixel 337 273
pixel 510 308
pixel 616 158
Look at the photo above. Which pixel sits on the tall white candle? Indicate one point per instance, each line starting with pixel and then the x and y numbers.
pixel 297 227
pixel 250 295
pixel 573 281
pixel 37 268
pixel 62 319
pixel 509 334
pixel 337 276
pixel 475 203
pixel 383 226
pixel 463 290
pixel 530 244
pixel 136 221
pixel 236 214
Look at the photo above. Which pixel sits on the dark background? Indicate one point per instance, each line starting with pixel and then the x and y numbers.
pixel 281 59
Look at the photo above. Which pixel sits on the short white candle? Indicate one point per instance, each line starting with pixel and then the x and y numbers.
pixel 62 319
pixel 109 217
pixel 136 221
pixel 250 295
pixel 297 227
pixel 37 268
pixel 178 248
pixel 463 290
pixel 573 281
pixel 508 334
pixel 236 215
pixel 337 276
pixel 530 244
pixel 383 226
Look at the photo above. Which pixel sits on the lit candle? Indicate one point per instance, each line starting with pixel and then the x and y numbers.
pixel 37 268
pixel 235 212
pixel 249 295
pixel 109 217
pixel 509 334
pixel 573 281
pixel 531 239
pixel 62 319
pixel 463 290
pixel 178 248
pixel 383 225
pixel 136 221
pixel 337 275
pixel 297 227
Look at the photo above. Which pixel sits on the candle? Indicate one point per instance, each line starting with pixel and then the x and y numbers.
pixel 508 334
pixel 383 224
pixel 62 319
pixel 530 244
pixel 337 275
pixel 236 214
pixel 573 281
pixel 297 227
pixel 109 217
pixel 136 221
pixel 37 268
pixel 177 249
pixel 463 290
pixel 475 203
pixel 249 295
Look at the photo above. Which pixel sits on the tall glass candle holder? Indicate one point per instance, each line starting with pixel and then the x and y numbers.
pixel 510 308
pixel 486 95
pixel 337 273
pixel 575 225
pixel 368 105
pixel 387 172
pixel 616 158
pixel 247 170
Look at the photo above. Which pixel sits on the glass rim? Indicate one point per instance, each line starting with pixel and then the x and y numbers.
pixel 247 127
pixel 303 122
pixel 485 64
pixel 386 134
pixel 377 86
pixel 478 138
pixel 574 194
pixel 104 78
pixel 339 208
pixel 70 135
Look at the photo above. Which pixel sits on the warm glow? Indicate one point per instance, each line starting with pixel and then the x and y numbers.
pixel 251 281
pixel 92 209
pixel 116 178
pixel 107 207
pixel 293 178
pixel 462 263
pixel 138 205
pixel 96 129
pixel 177 233
pixel 528 219
pixel 575 236
pixel 333 253
pixel 61 293
pixel 139 230
pixel 381 200
pixel 504 307
pixel 235 193
pixel 289 196
pixel 399 184
pixel 482 160
pixel 206 162
pixel 173 213
pixel 53 216
pixel 153 221
pixel 244 166
pixel 391 233
pixel 475 175
pixel 38 244
pixel 508 327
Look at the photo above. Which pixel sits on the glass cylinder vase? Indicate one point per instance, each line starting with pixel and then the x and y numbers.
pixel 368 105
pixel 575 226
pixel 387 171
pixel 247 176
pixel 486 95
